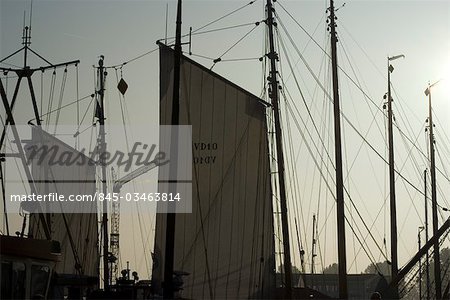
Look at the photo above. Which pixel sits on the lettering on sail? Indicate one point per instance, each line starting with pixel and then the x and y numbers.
pixel 205 153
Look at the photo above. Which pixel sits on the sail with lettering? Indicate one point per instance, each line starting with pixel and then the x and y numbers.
pixel 225 247
pixel 65 171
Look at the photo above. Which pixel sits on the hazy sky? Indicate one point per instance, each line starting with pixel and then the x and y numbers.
pixel 369 31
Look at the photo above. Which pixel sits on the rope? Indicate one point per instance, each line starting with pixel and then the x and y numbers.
pixel 365 225
pixel 224 28
pixel 42 90
pixel 78 106
pixel 64 106
pixel 223 17
pixel 51 95
pixel 133 59
pixel 61 96
pixel 232 46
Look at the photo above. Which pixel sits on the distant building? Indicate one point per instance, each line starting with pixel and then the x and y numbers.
pixel 360 286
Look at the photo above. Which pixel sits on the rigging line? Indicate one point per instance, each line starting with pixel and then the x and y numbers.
pixel 438 121
pixel 329 187
pixel 290 168
pixel 302 97
pixel 347 177
pixel 85 113
pixel 240 59
pixel 198 55
pixel 317 80
pixel 224 60
pixel 5 212
pixel 367 251
pixel 11 65
pixel 398 104
pixel 362 220
pixel 61 96
pixel 223 17
pixel 362 50
pixel 298 87
pixel 413 112
pixel 442 161
pixel 223 28
pixel 445 146
pixel 132 60
pixel 378 153
pixel 19 170
pixel 122 102
pixel 419 171
pixel 212 22
pixel 371 226
pixel 51 95
pixel 342 70
pixel 416 164
pixel 347 120
pixel 64 106
pixel 307 43
pixel 78 105
pixel 304 30
pixel 409 154
pixel 359 83
pixel 232 46
pixel 42 92
pixel 295 195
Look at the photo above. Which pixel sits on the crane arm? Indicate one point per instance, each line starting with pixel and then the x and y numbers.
pixel 132 175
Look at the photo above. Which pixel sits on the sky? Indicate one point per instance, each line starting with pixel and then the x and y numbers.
pixel 369 32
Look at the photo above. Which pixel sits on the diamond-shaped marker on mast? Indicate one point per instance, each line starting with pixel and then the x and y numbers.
pixel 122 86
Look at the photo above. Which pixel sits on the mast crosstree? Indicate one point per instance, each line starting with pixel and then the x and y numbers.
pixel 26 72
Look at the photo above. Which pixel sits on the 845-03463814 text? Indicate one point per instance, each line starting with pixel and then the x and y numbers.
pixel 55 197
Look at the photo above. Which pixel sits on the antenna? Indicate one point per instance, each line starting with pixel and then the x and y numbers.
pixel 167 14
pixel 31 14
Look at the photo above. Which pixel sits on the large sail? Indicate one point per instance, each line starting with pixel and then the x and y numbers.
pixel 76 232
pixel 226 243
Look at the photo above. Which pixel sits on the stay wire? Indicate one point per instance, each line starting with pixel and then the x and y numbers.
pixel 61 96
pixel 322 141
pixel 232 46
pixel 64 106
pixel 348 76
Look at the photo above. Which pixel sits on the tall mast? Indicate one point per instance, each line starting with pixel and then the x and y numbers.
pixel 168 290
pixel 274 95
pixel 426 234
pixel 340 207
pixel 437 259
pixel 421 228
pixel 393 209
pixel 102 149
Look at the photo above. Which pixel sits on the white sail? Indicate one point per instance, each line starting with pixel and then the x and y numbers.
pixel 226 243
pixel 79 237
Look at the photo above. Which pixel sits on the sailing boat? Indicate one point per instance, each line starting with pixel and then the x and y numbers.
pixel 225 247
pixel 226 244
